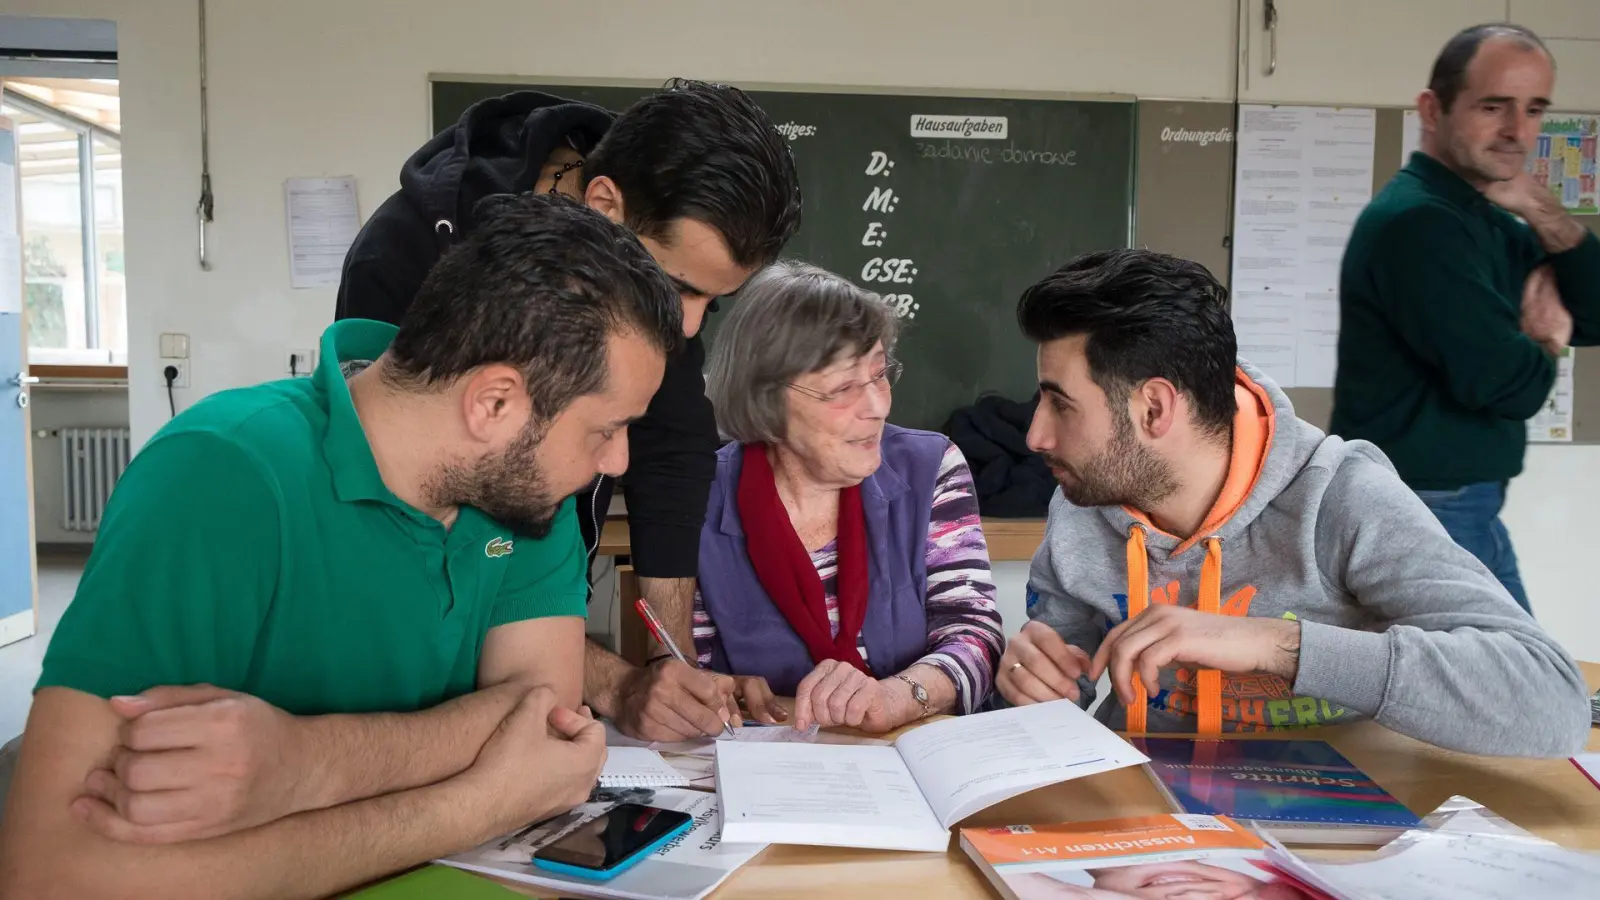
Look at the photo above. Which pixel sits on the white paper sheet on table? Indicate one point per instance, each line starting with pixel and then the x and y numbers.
pixel 1449 866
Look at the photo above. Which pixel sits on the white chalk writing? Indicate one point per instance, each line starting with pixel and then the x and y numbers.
pixel 1010 154
pixel 989 128
pixel 1170 135
pixel 794 131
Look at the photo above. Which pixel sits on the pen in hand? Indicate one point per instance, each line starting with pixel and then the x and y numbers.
pixel 659 631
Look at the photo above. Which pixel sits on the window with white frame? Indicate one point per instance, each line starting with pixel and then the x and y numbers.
pixel 70 156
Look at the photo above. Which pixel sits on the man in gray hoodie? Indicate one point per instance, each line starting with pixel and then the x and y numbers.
pixel 1232 566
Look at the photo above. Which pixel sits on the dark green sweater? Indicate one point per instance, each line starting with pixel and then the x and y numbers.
pixel 1433 365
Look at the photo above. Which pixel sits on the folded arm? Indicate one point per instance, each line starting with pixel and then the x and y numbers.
pixel 48 837
pixel 1452 660
pixel 352 757
pixel 536 639
pixel 1577 272
pixel 1444 303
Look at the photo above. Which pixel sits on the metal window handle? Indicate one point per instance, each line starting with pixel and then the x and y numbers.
pixel 1271 25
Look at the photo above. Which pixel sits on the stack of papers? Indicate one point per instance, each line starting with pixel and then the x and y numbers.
pixel 1434 865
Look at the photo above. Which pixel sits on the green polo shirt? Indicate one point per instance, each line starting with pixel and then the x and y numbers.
pixel 252 545
pixel 1433 365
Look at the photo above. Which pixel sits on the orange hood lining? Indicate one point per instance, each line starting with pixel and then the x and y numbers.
pixel 1254 426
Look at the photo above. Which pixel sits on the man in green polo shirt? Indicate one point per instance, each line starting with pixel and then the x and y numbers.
pixel 1452 312
pixel 333 627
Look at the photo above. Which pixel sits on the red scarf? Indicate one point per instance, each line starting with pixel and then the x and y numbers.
pixel 784 567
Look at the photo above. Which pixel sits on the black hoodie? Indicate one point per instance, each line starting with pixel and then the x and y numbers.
pixel 499 146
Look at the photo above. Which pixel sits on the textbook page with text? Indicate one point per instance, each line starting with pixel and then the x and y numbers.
pixel 906 796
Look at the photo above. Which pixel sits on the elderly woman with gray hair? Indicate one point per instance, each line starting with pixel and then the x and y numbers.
pixel 842 559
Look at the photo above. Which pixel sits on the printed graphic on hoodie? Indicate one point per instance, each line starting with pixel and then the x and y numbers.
pixel 1249 702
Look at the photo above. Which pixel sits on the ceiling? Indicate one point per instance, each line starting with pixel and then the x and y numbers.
pixel 46 147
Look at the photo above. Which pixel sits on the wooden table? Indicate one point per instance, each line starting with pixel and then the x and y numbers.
pixel 1548 797
pixel 1010 540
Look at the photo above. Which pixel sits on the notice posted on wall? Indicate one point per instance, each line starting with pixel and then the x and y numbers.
pixel 1553 422
pixel 1304 175
pixel 1563 160
pixel 1410 135
pixel 323 219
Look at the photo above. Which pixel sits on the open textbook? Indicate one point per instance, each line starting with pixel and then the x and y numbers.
pixel 906 796
pixel 687 868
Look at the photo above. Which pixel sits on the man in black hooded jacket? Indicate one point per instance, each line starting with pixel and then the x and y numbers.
pixel 701 175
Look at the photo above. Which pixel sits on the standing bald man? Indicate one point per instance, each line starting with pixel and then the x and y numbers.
pixel 1453 312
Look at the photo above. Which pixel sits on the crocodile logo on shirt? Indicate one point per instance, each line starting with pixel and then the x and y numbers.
pixel 497 548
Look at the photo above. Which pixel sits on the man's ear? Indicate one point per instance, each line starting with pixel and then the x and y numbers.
pixel 1154 407
pixel 1429 109
pixel 493 402
pixel 604 197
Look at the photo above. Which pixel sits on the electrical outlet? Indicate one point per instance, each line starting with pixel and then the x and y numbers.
pixel 301 363
pixel 182 365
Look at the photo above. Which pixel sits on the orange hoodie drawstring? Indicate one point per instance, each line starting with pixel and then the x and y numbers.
pixel 1138 600
pixel 1208 681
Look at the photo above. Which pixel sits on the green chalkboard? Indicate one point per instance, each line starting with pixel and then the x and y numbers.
pixel 950 226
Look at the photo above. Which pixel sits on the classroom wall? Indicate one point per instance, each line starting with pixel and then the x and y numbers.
pixel 318 88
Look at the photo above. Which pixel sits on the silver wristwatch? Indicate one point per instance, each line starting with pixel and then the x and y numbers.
pixel 918 693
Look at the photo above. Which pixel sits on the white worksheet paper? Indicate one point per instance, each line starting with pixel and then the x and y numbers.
pixel 1304 174
pixel 967 764
pixel 843 796
pixel 1445 866
pixel 323 219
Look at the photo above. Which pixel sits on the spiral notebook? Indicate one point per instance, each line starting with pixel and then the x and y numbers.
pixel 638 767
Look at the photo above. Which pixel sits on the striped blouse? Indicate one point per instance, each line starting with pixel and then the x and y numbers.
pixel 964 637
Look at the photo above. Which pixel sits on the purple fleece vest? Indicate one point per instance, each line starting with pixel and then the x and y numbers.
pixel 753 637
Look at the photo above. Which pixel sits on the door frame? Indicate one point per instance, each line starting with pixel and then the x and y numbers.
pixel 23 624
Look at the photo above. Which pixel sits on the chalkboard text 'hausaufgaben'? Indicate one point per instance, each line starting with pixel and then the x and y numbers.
pixel 993 128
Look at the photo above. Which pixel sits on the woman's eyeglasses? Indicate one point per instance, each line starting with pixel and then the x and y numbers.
pixel 852 393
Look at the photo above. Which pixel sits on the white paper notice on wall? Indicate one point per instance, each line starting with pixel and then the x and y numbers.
pixel 323 219
pixel 1553 422
pixel 1304 174
pixel 1410 135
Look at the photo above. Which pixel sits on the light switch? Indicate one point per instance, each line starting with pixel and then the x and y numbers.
pixel 174 346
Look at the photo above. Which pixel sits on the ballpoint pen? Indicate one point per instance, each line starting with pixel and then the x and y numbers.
pixel 660 633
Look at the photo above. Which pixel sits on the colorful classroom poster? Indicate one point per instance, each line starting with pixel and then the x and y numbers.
pixel 1553 422
pixel 1564 160
pixel 1304 175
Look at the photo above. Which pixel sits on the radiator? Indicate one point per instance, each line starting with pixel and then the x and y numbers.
pixel 92 459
